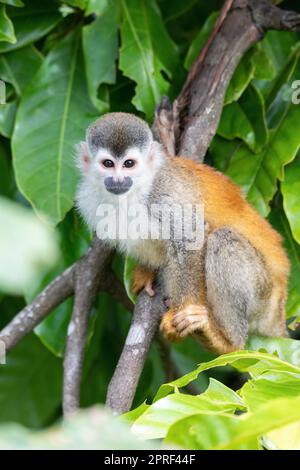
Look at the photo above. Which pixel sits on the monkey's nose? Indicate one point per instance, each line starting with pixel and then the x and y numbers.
pixel 118 187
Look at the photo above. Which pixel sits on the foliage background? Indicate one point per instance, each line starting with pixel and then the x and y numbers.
pixel 64 64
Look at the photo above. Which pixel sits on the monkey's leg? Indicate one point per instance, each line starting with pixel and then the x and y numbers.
pixel 238 286
pixel 237 290
pixel 142 278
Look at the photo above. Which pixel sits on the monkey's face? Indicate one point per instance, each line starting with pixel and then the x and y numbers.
pixel 119 153
pixel 120 174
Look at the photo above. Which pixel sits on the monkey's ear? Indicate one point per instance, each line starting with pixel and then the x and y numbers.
pixel 83 158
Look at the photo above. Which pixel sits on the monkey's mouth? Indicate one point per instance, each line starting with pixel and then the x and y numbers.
pixel 118 187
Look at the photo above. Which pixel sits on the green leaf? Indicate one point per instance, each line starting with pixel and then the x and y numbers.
pixel 155 422
pixel 142 57
pixel 100 41
pixel 7 32
pixel 27 247
pixel 279 221
pixel 224 432
pixel 30 384
pixel 252 104
pixel 53 115
pixel 264 67
pixel 235 124
pixel 277 47
pixel 291 196
pixel 241 360
pixel 270 386
pixel 286 349
pixel 7 118
pixel 240 79
pixel 258 173
pixel 18 67
pixel 32 22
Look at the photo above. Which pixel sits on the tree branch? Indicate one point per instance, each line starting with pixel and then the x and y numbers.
pixel 88 277
pixel 146 317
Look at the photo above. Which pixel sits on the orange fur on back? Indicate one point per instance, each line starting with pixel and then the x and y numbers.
pixel 224 205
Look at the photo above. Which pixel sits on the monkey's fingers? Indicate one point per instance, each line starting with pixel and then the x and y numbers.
pixel 191 319
pixel 167 328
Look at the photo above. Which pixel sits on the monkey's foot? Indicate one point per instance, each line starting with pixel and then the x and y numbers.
pixel 176 325
pixel 191 319
pixel 143 279
pixel 167 328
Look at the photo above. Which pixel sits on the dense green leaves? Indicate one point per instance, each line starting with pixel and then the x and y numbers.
pixel 209 420
pixel 141 56
pixel 100 41
pixel 65 63
pixel 32 22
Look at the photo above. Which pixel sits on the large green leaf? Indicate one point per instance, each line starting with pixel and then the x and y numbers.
pixel 245 120
pixel 18 67
pixel 270 386
pixel 291 196
pixel 242 360
pixel 146 52
pixel 27 247
pixel 259 172
pixel 156 420
pixel 286 349
pixel 239 433
pixel 53 114
pixel 100 41
pixel 32 22
pixel 277 46
pixel 7 32
pixel 30 384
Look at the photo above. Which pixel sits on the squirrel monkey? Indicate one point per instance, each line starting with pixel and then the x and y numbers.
pixel 233 284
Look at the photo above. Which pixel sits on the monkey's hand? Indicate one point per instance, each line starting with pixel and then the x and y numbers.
pixel 176 325
pixel 143 278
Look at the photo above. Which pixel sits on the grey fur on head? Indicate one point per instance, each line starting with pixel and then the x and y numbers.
pixel 118 131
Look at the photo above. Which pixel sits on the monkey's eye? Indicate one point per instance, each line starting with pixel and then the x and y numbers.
pixel 108 163
pixel 129 163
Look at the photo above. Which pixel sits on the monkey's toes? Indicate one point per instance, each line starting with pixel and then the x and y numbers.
pixel 167 328
pixel 190 319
